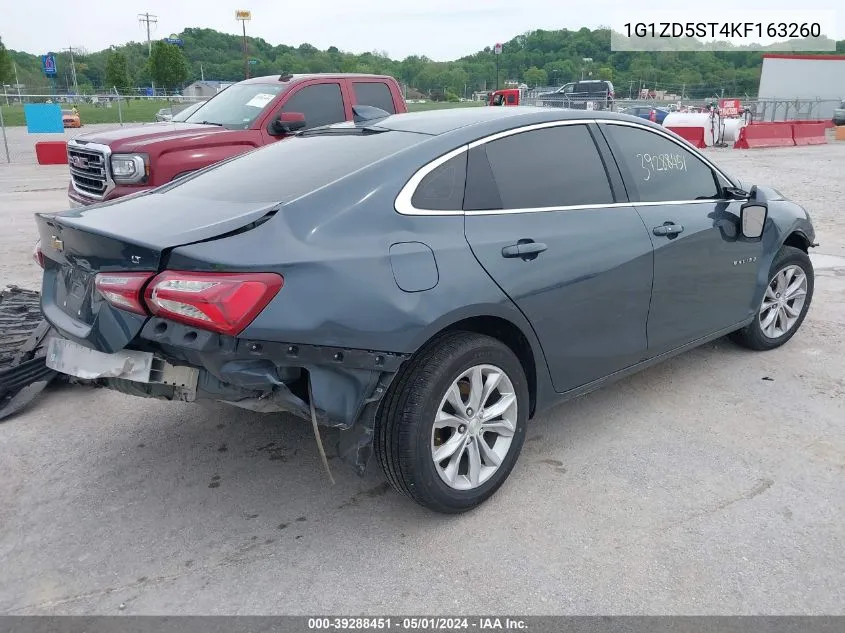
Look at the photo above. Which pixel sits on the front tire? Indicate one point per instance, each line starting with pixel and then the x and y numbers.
pixel 785 302
pixel 453 422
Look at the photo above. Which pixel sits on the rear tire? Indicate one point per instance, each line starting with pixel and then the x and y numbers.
pixel 785 303
pixel 417 422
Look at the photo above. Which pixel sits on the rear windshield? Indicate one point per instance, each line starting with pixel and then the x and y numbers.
pixel 292 167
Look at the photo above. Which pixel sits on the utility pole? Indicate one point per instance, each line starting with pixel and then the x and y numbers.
pixel 69 49
pixel 148 18
pixel 202 74
pixel 17 83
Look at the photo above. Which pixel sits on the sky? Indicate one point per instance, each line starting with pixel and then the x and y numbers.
pixel 440 29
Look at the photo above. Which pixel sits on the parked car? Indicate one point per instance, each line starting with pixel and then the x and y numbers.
pixel 183 114
pixel 164 114
pixel 588 94
pixel 109 164
pixel 70 118
pixel 839 114
pixel 425 283
pixel 651 113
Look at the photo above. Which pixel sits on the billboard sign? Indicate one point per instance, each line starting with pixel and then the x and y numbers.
pixel 497 49
pixel 240 14
pixel 174 39
pixel 48 64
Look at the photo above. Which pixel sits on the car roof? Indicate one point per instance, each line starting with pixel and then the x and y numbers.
pixel 436 122
pixel 290 79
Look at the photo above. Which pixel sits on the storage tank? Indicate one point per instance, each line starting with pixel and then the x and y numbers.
pixel 711 125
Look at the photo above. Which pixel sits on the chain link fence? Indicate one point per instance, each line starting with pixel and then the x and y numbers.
pixel 95 113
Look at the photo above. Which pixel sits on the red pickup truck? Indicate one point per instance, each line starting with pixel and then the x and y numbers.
pixel 246 115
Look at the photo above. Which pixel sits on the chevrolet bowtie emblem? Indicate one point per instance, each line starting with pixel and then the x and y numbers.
pixel 56 243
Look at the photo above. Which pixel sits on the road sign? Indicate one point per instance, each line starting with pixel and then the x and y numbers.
pixel 240 14
pixel 730 107
pixel 253 61
pixel 497 49
pixel 48 64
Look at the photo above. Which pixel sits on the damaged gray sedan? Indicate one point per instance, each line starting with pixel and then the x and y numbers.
pixel 424 283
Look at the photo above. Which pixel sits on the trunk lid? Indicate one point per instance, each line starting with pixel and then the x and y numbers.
pixel 131 235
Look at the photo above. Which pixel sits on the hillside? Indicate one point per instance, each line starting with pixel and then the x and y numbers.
pixel 537 58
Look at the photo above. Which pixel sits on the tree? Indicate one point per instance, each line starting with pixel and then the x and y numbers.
pixel 6 72
pixel 168 66
pixel 535 77
pixel 117 72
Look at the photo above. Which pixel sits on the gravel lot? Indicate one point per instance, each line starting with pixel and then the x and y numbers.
pixel 711 484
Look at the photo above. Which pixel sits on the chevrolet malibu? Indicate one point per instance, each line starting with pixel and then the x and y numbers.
pixel 425 283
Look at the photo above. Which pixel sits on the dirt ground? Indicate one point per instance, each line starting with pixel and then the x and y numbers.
pixel 711 484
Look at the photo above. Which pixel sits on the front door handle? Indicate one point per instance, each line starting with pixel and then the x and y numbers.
pixel 526 249
pixel 669 229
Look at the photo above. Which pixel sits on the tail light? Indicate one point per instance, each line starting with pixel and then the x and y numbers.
pixel 37 254
pixel 221 302
pixel 123 290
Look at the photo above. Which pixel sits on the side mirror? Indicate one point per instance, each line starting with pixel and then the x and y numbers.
pixel 752 219
pixel 287 123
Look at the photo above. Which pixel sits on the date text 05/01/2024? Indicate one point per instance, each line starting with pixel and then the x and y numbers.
pixel 737 30
pixel 418 624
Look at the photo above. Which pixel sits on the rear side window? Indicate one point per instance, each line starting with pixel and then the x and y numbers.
pixel 374 93
pixel 658 169
pixel 551 167
pixel 322 104
pixel 443 188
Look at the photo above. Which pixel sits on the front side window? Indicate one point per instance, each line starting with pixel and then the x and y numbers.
pixel 550 167
pixel 236 107
pixel 659 170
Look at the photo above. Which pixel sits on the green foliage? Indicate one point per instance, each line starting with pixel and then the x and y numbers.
pixel 168 66
pixel 6 73
pixel 535 77
pixel 559 54
pixel 117 72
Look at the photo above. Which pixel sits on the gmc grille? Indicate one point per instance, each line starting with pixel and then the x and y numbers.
pixel 88 170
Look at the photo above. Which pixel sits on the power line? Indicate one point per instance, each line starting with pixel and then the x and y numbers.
pixel 148 18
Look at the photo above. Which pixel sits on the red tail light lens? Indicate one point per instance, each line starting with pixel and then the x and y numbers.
pixel 37 254
pixel 221 302
pixel 123 290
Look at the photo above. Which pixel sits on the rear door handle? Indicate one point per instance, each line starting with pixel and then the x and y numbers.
pixel 526 249
pixel 669 229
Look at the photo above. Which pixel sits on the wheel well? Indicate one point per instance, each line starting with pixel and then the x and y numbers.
pixel 798 240
pixel 510 335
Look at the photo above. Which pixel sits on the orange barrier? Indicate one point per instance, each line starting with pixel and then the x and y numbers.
pixel 840 133
pixel 693 135
pixel 765 135
pixel 809 133
pixel 51 152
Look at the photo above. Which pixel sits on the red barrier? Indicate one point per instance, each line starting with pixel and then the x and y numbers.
pixel 693 135
pixel 51 152
pixel 765 135
pixel 809 133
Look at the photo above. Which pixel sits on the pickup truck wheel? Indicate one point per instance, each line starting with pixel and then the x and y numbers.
pixel 452 424
pixel 785 303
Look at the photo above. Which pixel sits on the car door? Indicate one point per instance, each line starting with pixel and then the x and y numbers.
pixel 544 221
pixel 704 272
pixel 321 103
